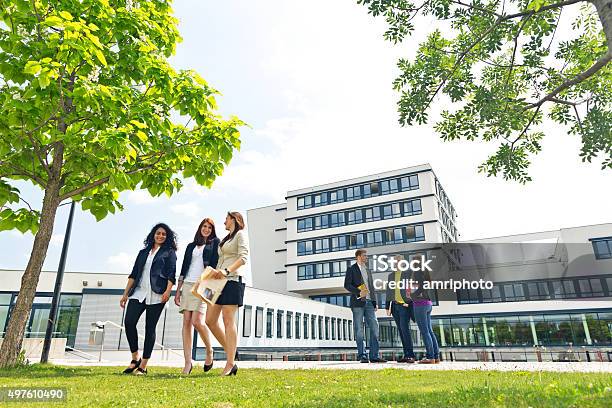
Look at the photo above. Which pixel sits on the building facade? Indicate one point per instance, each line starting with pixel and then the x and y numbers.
pixel 302 247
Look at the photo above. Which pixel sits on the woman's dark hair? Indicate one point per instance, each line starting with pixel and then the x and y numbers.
pixel 237 217
pixel 199 238
pixel 170 241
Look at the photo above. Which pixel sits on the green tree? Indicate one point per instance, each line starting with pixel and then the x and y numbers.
pixel 504 69
pixel 91 107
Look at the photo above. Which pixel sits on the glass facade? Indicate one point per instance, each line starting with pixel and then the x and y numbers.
pixel 544 289
pixel 587 328
pixel 357 192
pixel 67 319
pixel 360 215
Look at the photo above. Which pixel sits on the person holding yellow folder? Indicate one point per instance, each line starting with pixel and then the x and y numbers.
pixel 358 281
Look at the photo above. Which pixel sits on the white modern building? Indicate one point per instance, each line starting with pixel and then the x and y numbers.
pixel 304 245
pixel 551 288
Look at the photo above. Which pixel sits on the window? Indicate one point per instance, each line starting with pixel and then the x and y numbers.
pixel 343 329
pixel 590 287
pixel 304 248
pixel 410 182
pixel 602 248
pixel 339 322
pixel 415 233
pixel 321 245
pixel 514 292
pixel 320 327
pixel 289 324
pixel 269 318
pixel 412 207
pixel 306 322
pixel 353 193
pixel 355 216
pixel 298 324
pixel 327 328
pixel 333 328
pixel 350 330
pixel 279 324
pixel 313 326
pixel 337 219
pixel 246 321
pixel 538 291
pixel 372 214
pixel 374 238
pixel 300 203
pixel 259 322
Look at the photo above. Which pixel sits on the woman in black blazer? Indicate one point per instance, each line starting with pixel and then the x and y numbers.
pixel 148 289
pixel 199 254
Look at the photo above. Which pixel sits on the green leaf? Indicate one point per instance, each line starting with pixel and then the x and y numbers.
pixel 142 136
pixel 54 21
pixel 32 67
pixel 100 57
pixel 138 124
pixel 65 15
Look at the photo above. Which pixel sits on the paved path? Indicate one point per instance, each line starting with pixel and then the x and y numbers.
pixel 591 367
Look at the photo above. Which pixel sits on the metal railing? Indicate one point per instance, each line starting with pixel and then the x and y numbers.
pixel 100 326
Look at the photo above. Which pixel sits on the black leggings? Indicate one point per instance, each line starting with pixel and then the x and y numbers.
pixel 132 315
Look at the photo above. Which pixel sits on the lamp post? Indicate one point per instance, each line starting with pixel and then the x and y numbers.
pixel 57 290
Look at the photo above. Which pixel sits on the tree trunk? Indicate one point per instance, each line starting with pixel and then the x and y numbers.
pixel 604 10
pixel 11 345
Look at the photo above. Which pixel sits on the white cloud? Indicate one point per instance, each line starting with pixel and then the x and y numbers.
pixel 140 197
pixel 122 262
pixel 189 209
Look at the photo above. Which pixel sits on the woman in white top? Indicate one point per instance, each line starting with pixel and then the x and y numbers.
pixel 148 289
pixel 233 255
pixel 199 254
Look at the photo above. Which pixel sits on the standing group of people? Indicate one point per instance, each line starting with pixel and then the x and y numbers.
pixel 154 275
pixel 404 305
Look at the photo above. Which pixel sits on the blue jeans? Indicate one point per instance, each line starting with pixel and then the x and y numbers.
pixel 422 315
pixel 368 312
pixel 402 321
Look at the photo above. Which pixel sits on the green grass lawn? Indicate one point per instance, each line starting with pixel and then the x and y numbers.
pixel 166 387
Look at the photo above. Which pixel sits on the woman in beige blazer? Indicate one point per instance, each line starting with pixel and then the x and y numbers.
pixel 233 255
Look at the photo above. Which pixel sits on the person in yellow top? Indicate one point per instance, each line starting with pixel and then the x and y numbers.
pixel 399 305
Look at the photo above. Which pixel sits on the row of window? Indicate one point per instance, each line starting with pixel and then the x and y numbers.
pixel 602 248
pixel 545 329
pixel 539 290
pixel 337 268
pixel 396 235
pixel 294 325
pixel 343 299
pixel 360 215
pixel 445 200
pixel 449 224
pixel 366 190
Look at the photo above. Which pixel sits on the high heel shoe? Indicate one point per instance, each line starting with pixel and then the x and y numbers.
pixel 233 371
pixel 130 370
pixel 190 368
pixel 207 367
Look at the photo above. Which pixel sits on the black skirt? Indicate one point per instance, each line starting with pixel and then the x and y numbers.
pixel 232 293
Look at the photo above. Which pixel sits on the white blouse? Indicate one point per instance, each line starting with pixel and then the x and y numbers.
pixel 196 267
pixel 144 292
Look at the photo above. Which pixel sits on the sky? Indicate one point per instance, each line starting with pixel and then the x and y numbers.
pixel 313 81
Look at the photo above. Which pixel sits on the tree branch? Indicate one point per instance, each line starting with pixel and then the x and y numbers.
pixel 545 8
pixel 471 6
pixel 599 64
